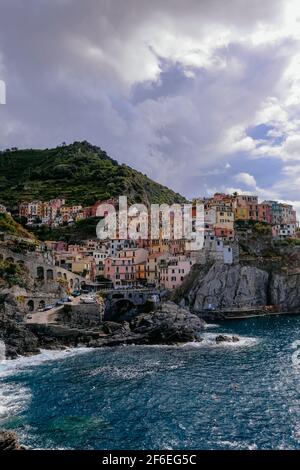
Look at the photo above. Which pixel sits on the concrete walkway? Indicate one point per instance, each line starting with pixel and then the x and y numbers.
pixel 49 316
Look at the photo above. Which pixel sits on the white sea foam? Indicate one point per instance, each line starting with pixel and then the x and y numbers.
pixel 13 399
pixel 209 340
pixel 8 367
pixel 209 326
pixel 237 445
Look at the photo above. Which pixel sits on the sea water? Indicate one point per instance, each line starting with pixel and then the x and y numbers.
pixel 241 395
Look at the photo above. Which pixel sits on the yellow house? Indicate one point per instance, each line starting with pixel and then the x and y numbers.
pixel 141 271
pixel 153 266
pixel 81 266
pixel 159 246
pixel 224 218
pixel 241 213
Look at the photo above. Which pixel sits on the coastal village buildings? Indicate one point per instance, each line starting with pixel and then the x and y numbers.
pixel 159 262
pixel 125 269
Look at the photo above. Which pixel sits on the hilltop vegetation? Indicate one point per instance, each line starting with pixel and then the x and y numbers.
pixel 80 172
pixel 73 233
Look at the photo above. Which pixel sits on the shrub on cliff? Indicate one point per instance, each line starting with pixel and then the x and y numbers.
pixel 12 274
pixel 11 227
pixel 262 228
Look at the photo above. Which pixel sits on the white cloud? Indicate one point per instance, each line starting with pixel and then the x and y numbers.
pixel 246 179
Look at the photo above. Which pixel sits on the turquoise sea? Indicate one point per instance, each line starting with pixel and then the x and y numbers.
pixel 195 396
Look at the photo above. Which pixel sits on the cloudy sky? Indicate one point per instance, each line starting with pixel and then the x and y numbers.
pixel 202 95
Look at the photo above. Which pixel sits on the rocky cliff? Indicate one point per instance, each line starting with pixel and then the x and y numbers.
pixel 225 287
pixel 266 276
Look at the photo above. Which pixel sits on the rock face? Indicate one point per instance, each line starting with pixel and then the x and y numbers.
pixel 9 441
pixel 285 291
pixel 167 325
pixel 225 286
pixel 82 315
pixel 221 287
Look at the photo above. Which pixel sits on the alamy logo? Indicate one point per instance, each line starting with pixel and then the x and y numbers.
pixel 2 92
pixel 176 222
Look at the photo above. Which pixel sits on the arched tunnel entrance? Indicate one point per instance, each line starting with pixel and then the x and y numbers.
pixel 30 305
pixel 119 309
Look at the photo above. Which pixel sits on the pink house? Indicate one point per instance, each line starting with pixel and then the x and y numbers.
pixel 265 213
pixel 122 269
pixel 173 274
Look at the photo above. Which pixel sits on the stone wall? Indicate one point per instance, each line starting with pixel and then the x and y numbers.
pixel 84 315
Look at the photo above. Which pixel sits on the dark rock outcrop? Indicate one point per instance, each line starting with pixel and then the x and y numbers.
pixel 168 325
pixel 9 441
pixel 226 339
pixel 285 290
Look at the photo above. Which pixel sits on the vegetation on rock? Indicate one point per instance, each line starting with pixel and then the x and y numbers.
pixel 12 274
pixel 9 226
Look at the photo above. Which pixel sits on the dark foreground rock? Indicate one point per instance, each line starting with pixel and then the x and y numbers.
pixel 9 441
pixel 226 339
pixel 169 324
pixel 17 338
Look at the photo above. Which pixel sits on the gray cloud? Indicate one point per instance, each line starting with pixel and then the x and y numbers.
pixel 167 87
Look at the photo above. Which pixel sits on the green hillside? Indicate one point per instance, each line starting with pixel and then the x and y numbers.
pixel 80 172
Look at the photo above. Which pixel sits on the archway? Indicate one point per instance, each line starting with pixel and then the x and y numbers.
pixel 40 273
pixel 49 274
pixel 117 310
pixel 41 304
pixel 59 275
pixel 30 305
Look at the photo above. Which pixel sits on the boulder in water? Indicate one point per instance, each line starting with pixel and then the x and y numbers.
pixel 225 338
